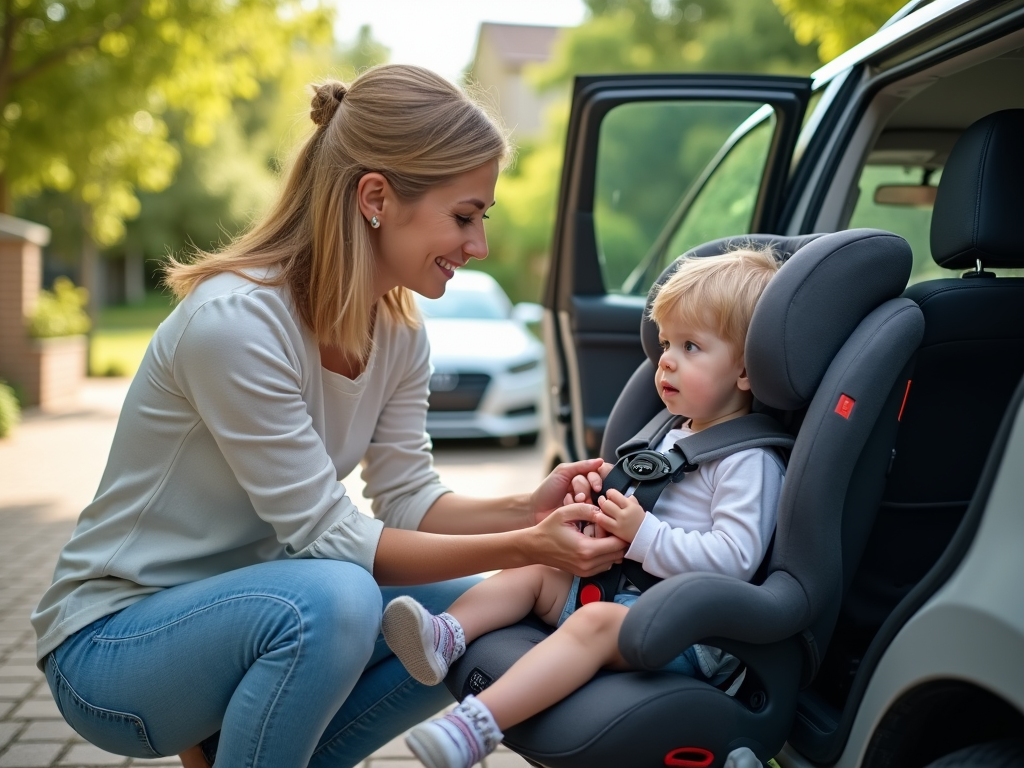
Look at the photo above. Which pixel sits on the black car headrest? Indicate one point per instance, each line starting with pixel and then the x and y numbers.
pixel 979 201
pixel 810 308
pixel 783 246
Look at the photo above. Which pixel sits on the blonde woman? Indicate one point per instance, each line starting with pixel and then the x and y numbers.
pixel 222 580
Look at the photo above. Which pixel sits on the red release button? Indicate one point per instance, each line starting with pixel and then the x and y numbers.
pixel 689 757
pixel 845 405
pixel 591 593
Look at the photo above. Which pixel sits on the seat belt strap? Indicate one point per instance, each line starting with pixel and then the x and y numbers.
pixel 651 472
pixel 651 433
pixel 755 430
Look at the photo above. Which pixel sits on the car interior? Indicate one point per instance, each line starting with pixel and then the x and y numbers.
pixel 935 155
pixel 945 140
pixel 820 351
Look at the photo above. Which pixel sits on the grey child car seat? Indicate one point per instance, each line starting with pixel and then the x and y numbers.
pixel 826 353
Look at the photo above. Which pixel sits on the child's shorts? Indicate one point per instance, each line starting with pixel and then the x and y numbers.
pixel 702 662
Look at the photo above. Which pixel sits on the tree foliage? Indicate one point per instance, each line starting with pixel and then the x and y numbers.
pixel 60 312
pixel 87 89
pixel 836 25
pixel 632 202
pixel 221 187
pixel 676 36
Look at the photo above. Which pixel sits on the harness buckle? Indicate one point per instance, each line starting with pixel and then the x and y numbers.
pixel 648 465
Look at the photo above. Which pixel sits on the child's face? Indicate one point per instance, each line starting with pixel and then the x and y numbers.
pixel 699 376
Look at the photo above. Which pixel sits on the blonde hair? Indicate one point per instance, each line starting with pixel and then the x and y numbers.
pixel 415 128
pixel 717 293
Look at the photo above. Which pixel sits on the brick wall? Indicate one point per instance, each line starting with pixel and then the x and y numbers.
pixel 48 372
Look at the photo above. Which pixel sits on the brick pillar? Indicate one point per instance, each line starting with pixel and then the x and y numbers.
pixel 21 275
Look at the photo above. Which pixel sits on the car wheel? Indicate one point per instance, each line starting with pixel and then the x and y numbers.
pixel 1005 753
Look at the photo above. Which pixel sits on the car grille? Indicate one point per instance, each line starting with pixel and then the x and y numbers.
pixel 457 391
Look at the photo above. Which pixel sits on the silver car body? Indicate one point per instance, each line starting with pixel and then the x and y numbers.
pixel 488 378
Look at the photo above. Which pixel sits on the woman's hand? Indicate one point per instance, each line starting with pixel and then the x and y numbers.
pixel 557 541
pixel 565 484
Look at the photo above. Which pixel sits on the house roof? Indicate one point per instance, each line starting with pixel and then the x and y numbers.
pixel 518 44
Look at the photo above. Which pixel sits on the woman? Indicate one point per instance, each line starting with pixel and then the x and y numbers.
pixel 221 580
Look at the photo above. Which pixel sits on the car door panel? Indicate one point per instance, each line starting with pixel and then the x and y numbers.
pixel 593 340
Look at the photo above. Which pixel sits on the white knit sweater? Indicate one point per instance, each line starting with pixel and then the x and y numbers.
pixel 229 449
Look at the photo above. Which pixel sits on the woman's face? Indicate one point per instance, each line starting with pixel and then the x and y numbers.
pixel 419 245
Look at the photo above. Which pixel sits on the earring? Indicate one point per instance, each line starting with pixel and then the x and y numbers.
pixel 374 222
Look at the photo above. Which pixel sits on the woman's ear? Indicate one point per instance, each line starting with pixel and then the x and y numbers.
pixel 370 194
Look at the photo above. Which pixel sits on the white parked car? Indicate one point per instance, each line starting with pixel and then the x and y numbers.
pixel 488 378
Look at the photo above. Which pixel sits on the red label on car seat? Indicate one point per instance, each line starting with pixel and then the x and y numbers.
pixel 845 405
pixel 689 757
pixel 904 405
pixel 591 593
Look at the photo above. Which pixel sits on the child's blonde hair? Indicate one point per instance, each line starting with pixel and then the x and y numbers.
pixel 717 293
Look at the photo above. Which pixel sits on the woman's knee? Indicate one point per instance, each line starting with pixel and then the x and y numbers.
pixel 332 604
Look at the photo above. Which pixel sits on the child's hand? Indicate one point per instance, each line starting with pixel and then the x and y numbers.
pixel 620 516
pixel 584 486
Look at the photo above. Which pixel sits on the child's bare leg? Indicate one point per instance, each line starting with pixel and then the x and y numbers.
pixel 510 596
pixel 586 642
pixel 427 644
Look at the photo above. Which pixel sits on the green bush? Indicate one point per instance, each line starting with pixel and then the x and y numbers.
pixel 60 312
pixel 10 411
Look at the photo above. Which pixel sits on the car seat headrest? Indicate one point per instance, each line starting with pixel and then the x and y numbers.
pixel 978 202
pixel 783 246
pixel 810 308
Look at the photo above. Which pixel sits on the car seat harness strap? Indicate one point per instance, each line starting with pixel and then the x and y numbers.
pixel 647 472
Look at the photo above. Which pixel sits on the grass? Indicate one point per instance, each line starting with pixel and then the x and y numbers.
pixel 122 334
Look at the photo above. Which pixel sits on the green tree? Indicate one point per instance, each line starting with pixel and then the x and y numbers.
pixel 86 87
pixel 222 186
pixel 676 36
pixel 632 36
pixel 218 187
pixel 836 25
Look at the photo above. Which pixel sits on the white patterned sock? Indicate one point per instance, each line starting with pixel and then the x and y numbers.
pixel 449 639
pixel 460 739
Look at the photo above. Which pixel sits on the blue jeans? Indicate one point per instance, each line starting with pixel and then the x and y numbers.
pixel 284 658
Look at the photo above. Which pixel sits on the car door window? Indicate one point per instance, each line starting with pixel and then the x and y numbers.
pixel 650 155
pixel 724 205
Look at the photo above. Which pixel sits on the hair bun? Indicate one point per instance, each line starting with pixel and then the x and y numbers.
pixel 326 99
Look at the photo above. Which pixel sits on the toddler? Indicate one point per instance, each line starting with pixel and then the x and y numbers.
pixel 719 518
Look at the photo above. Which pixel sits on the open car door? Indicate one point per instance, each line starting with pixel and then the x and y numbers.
pixel 654 165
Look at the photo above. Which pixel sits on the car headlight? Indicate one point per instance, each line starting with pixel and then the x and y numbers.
pixel 529 365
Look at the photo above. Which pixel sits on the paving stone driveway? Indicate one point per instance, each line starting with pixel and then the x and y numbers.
pixel 49 470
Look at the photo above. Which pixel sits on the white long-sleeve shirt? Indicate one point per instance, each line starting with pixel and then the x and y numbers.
pixel 718 519
pixel 229 450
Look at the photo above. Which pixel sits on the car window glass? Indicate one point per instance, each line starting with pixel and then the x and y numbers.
pixel 725 204
pixel 456 303
pixel 650 155
pixel 908 219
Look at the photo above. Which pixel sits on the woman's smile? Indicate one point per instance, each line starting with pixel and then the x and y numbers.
pixel 446 266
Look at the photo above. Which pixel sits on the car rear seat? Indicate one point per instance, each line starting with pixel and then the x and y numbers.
pixel 968 365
